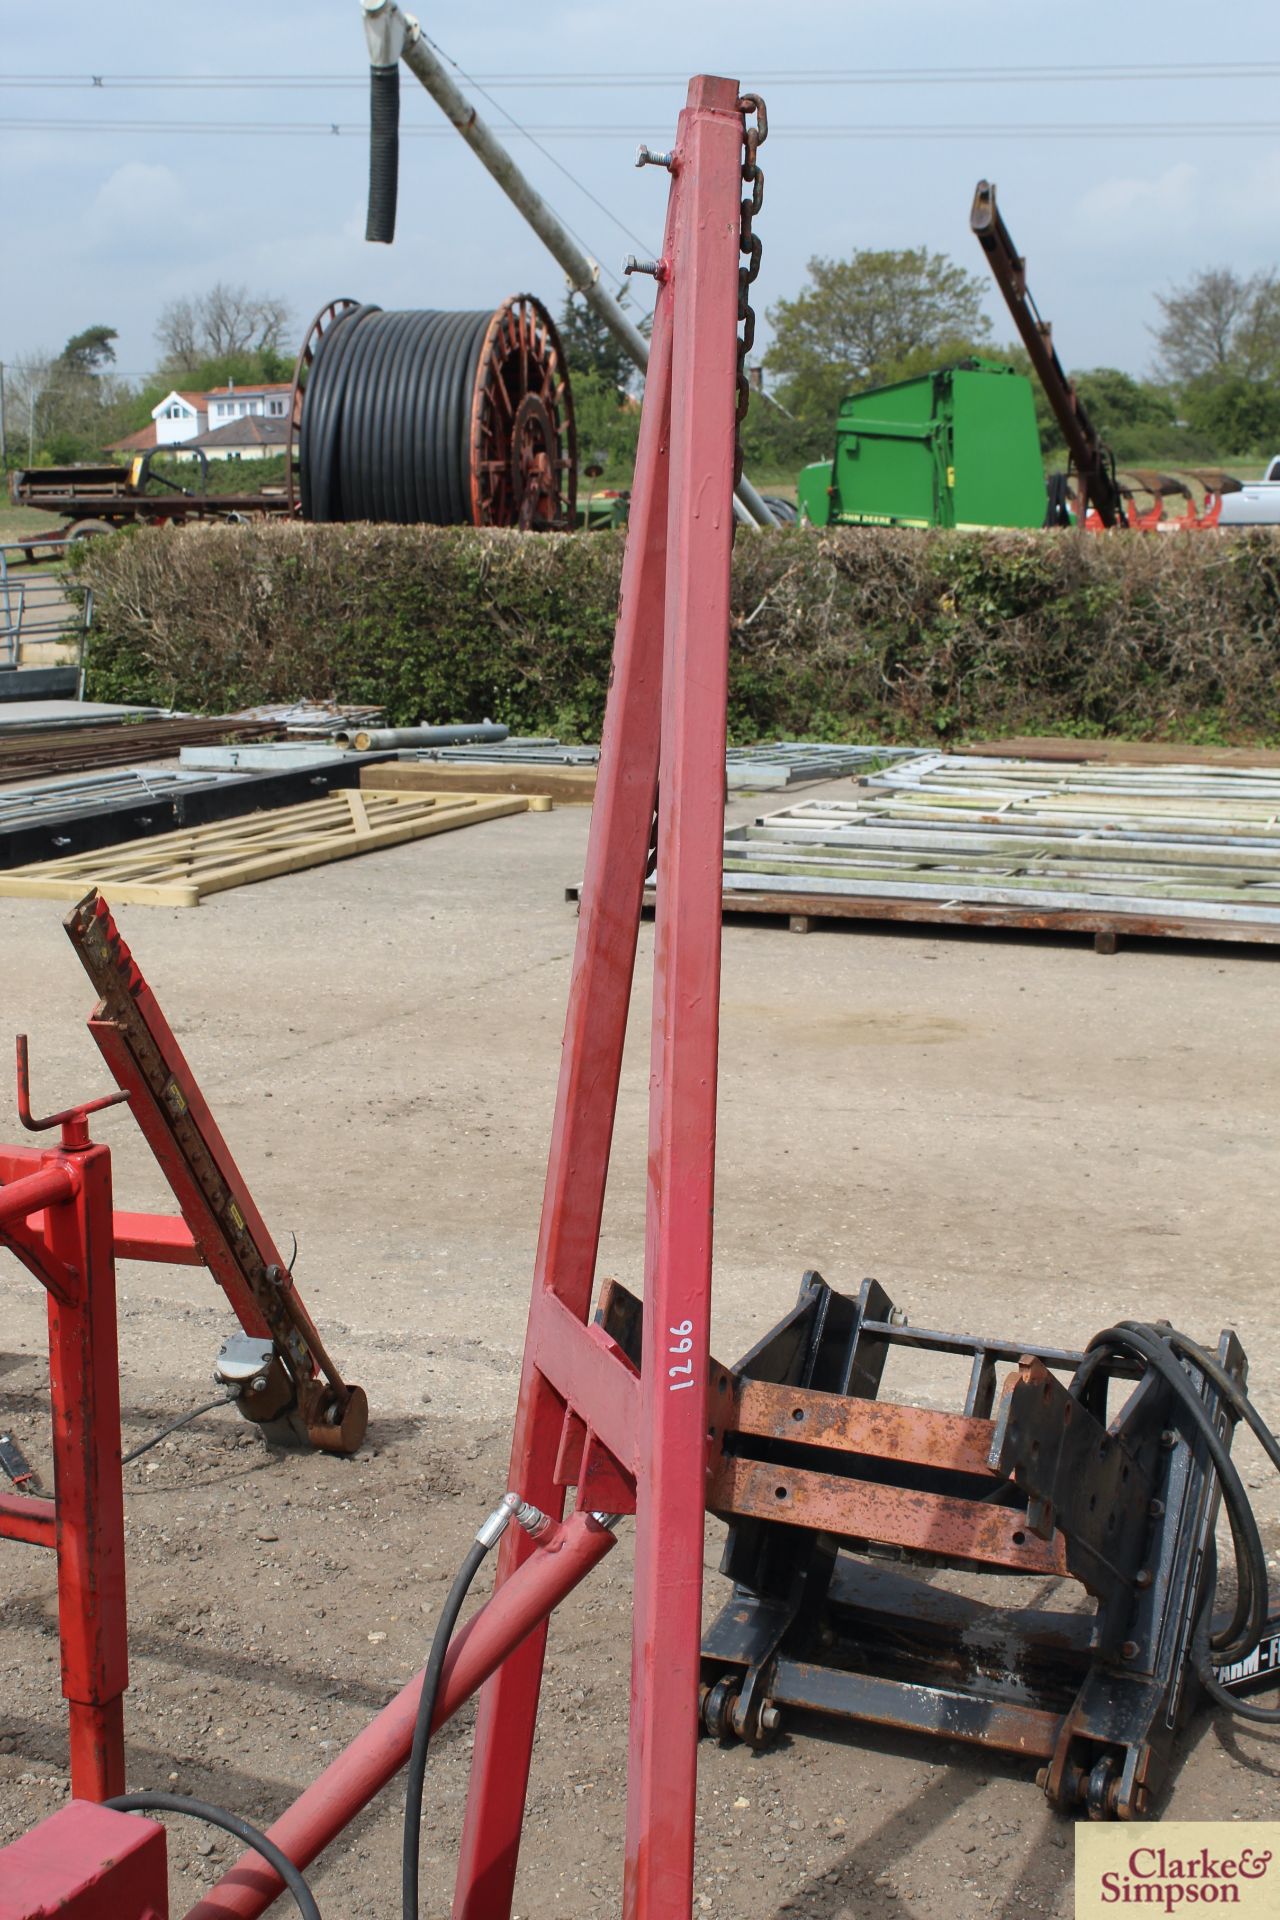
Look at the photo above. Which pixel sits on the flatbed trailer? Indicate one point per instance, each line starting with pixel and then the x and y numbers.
pixel 101 499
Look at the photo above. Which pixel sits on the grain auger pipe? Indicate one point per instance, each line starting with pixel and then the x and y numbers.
pixel 393 34
pixel 1091 459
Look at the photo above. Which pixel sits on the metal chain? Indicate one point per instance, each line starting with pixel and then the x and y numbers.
pixel 754 138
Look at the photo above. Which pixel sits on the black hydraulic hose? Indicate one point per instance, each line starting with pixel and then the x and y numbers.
pixel 509 1507
pixel 223 1400
pixel 1164 1349
pixel 304 1899
pixel 1149 1343
pixel 384 152
pixel 416 1777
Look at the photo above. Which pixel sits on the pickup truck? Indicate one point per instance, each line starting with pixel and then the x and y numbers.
pixel 1257 504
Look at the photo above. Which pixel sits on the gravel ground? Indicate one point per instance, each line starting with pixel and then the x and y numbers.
pixel 1014 1135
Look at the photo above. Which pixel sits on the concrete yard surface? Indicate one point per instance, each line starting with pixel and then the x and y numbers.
pixel 1014 1134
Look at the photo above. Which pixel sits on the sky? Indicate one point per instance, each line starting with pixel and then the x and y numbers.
pixel 1116 184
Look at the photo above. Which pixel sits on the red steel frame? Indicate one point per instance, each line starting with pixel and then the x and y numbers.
pixel 628 1441
pixel 584 1416
pixel 55 1215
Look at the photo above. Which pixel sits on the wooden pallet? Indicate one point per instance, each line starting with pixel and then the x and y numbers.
pixel 568 786
pixel 802 911
pixel 1135 753
pixel 178 869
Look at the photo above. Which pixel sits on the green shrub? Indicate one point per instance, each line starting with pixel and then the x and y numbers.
pixel 857 633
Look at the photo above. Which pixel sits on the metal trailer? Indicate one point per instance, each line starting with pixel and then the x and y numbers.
pixel 100 499
pixel 954 448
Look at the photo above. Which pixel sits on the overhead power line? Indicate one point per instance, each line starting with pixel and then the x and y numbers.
pixel 1074 75
pixel 898 130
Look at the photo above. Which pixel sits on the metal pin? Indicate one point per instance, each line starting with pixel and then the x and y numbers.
pixel 658 268
pixel 646 157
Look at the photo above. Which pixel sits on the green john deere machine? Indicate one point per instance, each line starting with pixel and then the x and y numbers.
pixel 955 448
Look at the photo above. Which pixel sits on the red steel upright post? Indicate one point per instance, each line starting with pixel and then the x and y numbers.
pixel 582 1408
pixel 56 1216
pixel 84 1379
pixel 582 1128
pixel 671 1486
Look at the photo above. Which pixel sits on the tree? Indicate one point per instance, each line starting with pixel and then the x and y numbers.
pixel 64 405
pixel 89 352
pixel 1236 415
pixel 589 347
pixel 219 324
pixel 1218 324
pixel 862 321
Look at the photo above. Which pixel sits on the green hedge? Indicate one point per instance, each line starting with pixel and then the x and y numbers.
pixel 851 634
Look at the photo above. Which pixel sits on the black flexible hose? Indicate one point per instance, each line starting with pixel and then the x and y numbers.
pixel 304 1899
pixel 384 152
pixel 416 1776
pixel 223 1400
pixel 1164 1349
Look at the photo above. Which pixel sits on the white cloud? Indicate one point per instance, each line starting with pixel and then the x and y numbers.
pixel 136 200
pixel 1131 205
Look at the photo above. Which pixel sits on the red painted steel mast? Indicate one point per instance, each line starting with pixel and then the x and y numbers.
pixel 585 1418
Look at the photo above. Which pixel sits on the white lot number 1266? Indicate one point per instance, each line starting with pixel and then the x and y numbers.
pixel 680 1372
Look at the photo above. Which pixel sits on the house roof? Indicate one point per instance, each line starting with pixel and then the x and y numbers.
pixel 143 441
pixel 251 430
pixel 246 391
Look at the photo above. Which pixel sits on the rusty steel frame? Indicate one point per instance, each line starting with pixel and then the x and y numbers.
pixel 304 1386
pixel 820 1482
pixel 524 448
pixel 1091 458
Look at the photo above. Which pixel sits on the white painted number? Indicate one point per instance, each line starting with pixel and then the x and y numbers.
pixel 682 1343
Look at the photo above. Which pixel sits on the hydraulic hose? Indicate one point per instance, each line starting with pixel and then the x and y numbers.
pixel 538 1525
pixel 416 1777
pixel 304 1899
pixel 1164 1350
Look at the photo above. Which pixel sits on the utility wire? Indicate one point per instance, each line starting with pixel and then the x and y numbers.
pixel 544 151
pixel 1073 75
pixel 888 131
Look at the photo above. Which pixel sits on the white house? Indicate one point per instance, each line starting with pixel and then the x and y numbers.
pixel 230 403
pixel 179 416
pixel 183 417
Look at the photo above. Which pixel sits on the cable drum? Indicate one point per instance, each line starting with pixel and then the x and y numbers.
pixel 451 419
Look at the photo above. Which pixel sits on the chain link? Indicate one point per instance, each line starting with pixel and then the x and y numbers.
pixel 754 138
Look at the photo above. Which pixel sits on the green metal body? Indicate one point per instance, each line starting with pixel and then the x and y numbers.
pixel 956 448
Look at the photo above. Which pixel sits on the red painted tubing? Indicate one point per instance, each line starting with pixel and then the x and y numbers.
pixel 48 1188
pixel 375 1756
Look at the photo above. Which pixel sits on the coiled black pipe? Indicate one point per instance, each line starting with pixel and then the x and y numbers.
pixel 440 418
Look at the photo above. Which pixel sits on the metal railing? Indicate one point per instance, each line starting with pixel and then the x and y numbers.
pixel 35 611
